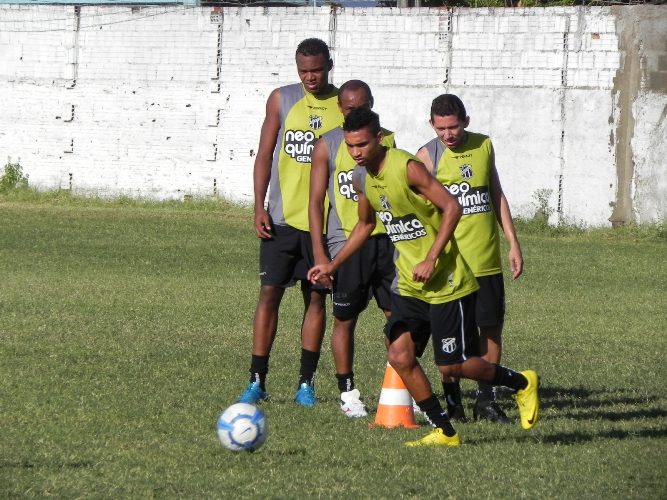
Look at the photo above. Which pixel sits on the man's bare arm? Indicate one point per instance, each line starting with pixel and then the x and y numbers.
pixel 504 218
pixel 319 181
pixel 262 170
pixel 362 230
pixel 428 186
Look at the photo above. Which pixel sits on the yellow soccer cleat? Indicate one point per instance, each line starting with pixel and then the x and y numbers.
pixel 436 438
pixel 528 400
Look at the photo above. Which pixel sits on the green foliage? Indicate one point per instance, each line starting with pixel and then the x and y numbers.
pixel 543 212
pixel 126 330
pixel 12 177
pixel 538 226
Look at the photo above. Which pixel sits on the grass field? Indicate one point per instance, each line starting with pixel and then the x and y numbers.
pixel 125 330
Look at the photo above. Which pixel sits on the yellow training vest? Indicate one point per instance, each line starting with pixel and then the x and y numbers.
pixel 466 173
pixel 412 224
pixel 343 210
pixel 304 117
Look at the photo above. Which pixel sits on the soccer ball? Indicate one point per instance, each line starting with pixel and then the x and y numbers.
pixel 242 426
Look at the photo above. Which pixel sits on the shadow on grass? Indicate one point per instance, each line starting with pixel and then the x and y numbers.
pixel 618 416
pixel 29 464
pixel 582 404
pixel 579 403
pixel 288 399
pixel 568 438
pixel 578 437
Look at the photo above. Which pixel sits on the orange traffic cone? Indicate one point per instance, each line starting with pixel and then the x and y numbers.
pixel 395 407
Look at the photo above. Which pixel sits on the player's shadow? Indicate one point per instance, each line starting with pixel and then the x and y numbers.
pixel 581 436
pixel 322 399
pixel 584 404
pixel 568 438
pixel 580 403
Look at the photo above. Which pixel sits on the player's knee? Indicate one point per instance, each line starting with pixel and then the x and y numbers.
pixel 270 296
pixel 315 302
pixel 400 359
pixel 343 329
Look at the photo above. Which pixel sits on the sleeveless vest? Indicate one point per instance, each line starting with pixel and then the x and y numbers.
pixel 343 214
pixel 412 223
pixel 304 117
pixel 466 173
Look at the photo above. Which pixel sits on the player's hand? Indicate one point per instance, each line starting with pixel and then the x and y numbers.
pixel 516 262
pixel 322 274
pixel 326 280
pixel 262 224
pixel 423 271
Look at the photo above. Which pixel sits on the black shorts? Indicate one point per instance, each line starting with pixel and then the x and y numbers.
pixel 490 301
pixel 286 257
pixel 368 272
pixel 451 325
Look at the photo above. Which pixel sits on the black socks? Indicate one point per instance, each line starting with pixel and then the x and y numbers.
pixel 436 415
pixel 509 378
pixel 452 393
pixel 309 360
pixel 345 381
pixel 259 367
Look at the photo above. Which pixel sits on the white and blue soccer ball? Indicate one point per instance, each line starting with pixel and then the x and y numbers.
pixel 242 427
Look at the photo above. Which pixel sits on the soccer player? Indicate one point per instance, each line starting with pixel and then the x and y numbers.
pixel 433 294
pixel 371 270
pixel 464 163
pixel 296 115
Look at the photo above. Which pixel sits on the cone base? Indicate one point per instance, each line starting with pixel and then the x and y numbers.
pixel 395 416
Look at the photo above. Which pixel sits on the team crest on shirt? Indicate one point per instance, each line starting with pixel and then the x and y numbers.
pixel 315 122
pixel 466 171
pixel 449 345
pixel 384 202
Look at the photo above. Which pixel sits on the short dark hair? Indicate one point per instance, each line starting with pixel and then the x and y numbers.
pixel 362 118
pixel 354 85
pixel 448 105
pixel 313 47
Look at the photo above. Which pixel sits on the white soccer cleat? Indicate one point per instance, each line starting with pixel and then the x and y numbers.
pixel 351 405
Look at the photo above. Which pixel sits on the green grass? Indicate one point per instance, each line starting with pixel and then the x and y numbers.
pixel 125 329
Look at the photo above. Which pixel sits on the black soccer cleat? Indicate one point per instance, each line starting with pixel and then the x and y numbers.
pixel 489 410
pixel 457 414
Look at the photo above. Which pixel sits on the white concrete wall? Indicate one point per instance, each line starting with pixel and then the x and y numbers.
pixel 168 101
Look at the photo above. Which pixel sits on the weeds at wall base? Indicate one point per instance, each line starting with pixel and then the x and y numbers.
pixel 67 198
pixel 536 225
pixel 12 178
